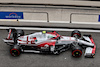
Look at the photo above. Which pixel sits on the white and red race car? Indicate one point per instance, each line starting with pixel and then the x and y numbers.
pixel 50 42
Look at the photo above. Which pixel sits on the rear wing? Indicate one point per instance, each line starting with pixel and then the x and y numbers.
pixel 11 33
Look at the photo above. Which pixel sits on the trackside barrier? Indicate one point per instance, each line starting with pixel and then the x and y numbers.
pixel 80 14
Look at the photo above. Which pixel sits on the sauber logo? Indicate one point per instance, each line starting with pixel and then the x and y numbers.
pixel 13 15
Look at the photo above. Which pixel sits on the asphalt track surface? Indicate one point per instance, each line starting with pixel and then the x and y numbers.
pixel 46 60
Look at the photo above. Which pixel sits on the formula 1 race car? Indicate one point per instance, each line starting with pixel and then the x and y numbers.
pixel 50 42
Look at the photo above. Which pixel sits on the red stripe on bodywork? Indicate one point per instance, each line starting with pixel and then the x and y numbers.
pixel 27 39
pixel 94 49
pixel 48 43
pixel 9 34
pixel 22 40
pixel 54 33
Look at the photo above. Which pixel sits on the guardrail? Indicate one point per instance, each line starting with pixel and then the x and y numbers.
pixel 31 12
pixel 79 14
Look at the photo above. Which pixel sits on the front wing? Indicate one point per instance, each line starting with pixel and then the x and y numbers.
pixel 90 52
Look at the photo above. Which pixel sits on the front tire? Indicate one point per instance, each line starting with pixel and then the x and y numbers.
pixel 76 51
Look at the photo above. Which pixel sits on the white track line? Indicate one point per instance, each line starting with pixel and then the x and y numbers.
pixel 86 22
pixel 44 21
pixel 27 21
pixel 51 29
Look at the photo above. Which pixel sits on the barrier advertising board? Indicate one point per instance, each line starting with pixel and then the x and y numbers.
pixel 11 15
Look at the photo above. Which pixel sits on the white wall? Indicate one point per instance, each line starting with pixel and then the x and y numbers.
pixel 62 2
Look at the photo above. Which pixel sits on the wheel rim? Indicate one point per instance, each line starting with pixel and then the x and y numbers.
pixel 76 35
pixel 14 52
pixel 77 53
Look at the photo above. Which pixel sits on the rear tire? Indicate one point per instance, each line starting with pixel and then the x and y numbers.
pixel 76 34
pixel 15 51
